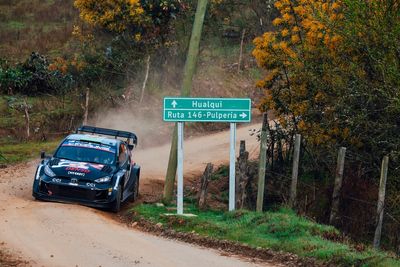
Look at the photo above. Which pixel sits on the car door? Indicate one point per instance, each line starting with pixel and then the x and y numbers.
pixel 124 161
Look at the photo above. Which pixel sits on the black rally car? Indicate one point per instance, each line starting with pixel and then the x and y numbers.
pixel 90 169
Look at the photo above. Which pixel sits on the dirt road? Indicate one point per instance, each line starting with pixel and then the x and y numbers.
pixel 53 234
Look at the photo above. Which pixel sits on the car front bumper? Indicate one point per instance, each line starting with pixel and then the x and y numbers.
pixel 102 197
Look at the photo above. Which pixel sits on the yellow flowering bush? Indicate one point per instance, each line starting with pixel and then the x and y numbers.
pixel 114 15
pixel 140 19
pixel 332 72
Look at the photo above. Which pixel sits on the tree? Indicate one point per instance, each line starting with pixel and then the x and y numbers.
pixel 333 73
pixel 142 20
pixel 33 77
pixel 187 83
pixel 131 31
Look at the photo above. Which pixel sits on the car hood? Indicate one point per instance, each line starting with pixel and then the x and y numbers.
pixel 82 170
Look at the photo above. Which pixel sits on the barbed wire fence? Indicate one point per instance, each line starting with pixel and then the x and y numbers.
pixel 360 195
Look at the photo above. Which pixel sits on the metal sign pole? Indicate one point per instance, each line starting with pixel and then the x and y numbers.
pixel 232 155
pixel 180 170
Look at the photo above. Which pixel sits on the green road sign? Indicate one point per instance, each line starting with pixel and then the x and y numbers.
pixel 180 109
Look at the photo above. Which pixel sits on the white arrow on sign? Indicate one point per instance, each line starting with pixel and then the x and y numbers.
pixel 243 115
pixel 174 104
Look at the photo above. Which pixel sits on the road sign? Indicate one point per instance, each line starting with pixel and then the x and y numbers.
pixel 181 109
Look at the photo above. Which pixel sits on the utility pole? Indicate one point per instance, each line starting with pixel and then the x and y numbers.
pixel 189 70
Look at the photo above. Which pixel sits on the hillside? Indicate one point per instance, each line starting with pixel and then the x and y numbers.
pixel 42 26
pixel 46 27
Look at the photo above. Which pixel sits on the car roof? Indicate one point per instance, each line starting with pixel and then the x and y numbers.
pixel 94 138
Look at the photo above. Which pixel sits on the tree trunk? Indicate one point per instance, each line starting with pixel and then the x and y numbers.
pixel 171 170
pixel 85 117
pixel 145 78
pixel 241 51
pixel 190 67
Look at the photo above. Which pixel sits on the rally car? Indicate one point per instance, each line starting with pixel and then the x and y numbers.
pixel 92 167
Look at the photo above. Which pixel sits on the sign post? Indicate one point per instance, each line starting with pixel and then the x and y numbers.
pixel 183 109
pixel 180 169
pixel 232 161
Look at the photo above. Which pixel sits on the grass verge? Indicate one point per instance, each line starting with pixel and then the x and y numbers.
pixel 11 153
pixel 282 230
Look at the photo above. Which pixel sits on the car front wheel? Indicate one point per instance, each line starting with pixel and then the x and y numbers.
pixel 116 206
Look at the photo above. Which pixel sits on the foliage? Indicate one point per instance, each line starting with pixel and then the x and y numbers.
pixel 32 77
pixel 282 230
pixel 125 32
pixel 254 16
pixel 333 75
pixel 333 72
pixel 139 19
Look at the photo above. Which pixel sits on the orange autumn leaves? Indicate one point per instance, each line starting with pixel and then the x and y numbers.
pixel 302 25
pixel 305 34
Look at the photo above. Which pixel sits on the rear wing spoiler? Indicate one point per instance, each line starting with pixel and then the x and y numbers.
pixel 131 137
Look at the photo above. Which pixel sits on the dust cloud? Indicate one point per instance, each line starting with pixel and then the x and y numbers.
pixel 145 122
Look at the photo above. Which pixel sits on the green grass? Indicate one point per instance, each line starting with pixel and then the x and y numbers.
pixel 19 152
pixel 282 230
pixel 222 171
pixel 15 25
pixel 35 25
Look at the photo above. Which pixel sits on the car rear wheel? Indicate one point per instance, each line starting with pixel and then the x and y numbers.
pixel 116 206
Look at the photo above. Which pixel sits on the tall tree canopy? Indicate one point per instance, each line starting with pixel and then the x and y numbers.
pixel 333 72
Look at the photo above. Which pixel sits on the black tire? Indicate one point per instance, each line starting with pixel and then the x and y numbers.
pixel 116 206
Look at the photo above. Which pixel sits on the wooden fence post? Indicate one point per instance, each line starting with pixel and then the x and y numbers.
pixel 237 176
pixel 262 163
pixel 334 216
pixel 202 199
pixel 242 175
pixel 295 171
pixel 381 201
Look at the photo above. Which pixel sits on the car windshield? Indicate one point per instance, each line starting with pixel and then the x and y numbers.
pixel 78 150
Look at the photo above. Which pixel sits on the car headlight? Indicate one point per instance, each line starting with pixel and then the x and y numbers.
pixel 104 179
pixel 48 171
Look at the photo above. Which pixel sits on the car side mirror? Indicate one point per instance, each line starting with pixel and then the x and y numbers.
pixel 131 147
pixel 42 154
